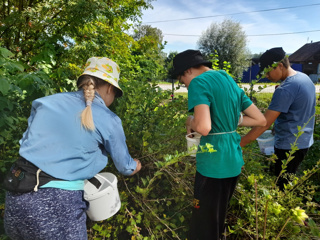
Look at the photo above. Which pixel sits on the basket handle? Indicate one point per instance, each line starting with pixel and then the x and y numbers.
pixel 95 181
pixel 191 134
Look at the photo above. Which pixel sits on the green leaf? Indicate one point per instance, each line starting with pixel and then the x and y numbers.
pixel 144 181
pixel 4 86
pixel 5 53
pixel 14 66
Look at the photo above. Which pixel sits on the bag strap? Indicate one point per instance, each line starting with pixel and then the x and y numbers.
pixel 38 181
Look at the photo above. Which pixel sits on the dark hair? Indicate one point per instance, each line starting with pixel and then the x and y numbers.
pixel 285 62
pixel 196 67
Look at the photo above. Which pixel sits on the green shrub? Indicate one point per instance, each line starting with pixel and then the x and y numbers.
pixel 156 203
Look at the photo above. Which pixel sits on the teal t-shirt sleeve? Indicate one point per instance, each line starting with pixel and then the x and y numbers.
pixel 246 102
pixel 198 93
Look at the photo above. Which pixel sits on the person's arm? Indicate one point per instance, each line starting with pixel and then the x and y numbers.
pixel 115 144
pixel 253 117
pixel 255 132
pixel 201 121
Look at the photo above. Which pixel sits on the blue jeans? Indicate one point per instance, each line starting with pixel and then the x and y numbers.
pixel 47 214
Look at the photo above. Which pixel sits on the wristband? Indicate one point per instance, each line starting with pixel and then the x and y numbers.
pixel 241 119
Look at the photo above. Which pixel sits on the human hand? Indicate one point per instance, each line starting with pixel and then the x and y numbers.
pixel 137 168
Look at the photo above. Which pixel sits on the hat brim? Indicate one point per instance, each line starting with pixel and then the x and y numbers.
pixel 261 70
pixel 179 71
pixel 106 78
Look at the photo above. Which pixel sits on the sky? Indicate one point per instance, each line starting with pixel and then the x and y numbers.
pixel 266 23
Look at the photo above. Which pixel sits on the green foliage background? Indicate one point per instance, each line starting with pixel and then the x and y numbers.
pixel 44 46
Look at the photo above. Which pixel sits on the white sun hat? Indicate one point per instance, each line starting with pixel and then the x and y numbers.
pixel 105 69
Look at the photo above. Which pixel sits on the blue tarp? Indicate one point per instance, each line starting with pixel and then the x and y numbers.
pixel 255 69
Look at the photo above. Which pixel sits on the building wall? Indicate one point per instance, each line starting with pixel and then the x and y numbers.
pixel 252 72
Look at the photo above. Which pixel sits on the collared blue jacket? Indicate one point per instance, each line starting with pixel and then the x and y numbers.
pixel 56 142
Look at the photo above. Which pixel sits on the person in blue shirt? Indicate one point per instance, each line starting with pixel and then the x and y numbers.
pixel 69 137
pixel 292 105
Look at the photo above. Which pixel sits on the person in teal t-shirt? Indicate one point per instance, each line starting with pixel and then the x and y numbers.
pixel 217 103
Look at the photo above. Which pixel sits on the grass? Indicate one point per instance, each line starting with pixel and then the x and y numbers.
pixel 184 94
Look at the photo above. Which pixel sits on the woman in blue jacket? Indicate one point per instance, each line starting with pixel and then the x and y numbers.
pixel 68 138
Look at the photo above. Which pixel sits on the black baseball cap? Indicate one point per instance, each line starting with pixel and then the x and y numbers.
pixel 270 57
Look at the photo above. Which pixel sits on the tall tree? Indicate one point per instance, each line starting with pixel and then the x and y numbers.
pixel 169 64
pixel 27 27
pixel 149 46
pixel 147 30
pixel 55 34
pixel 228 41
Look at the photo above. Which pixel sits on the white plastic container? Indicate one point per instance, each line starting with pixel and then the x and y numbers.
pixel 104 201
pixel 194 141
pixel 266 142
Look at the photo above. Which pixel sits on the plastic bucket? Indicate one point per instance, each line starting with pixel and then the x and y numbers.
pixel 104 201
pixel 266 142
pixel 194 141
